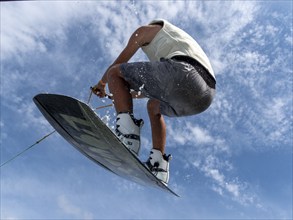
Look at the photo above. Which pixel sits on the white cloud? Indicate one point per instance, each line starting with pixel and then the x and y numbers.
pixel 278 119
pixel 275 110
pixel 189 133
pixel 72 210
pixel 210 155
pixel 200 134
pixel 186 133
pixel 235 189
pixel 289 40
pixel 25 25
pixel 215 174
pixel 3 134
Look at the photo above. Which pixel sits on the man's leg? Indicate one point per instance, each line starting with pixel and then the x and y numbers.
pixel 158 125
pixel 120 90
pixel 158 161
pixel 127 127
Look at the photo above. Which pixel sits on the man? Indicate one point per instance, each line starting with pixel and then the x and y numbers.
pixel 178 80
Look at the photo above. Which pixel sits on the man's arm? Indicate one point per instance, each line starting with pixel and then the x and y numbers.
pixel 142 36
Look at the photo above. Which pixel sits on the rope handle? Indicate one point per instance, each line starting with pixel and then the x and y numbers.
pixel 109 96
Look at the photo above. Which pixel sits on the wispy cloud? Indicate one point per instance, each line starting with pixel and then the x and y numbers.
pixel 26 27
pixel 210 155
pixel 72 210
pixel 184 132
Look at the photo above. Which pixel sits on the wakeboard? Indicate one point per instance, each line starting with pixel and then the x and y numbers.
pixel 77 123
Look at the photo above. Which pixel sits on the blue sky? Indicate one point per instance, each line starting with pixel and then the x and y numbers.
pixel 232 161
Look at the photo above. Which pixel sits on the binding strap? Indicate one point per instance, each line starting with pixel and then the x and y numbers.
pixel 129 136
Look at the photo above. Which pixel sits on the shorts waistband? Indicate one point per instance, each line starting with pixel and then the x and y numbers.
pixel 210 81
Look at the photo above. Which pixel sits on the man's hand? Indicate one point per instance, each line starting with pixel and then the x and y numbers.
pixel 99 89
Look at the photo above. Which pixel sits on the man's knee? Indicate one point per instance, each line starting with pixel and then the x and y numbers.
pixel 153 107
pixel 114 72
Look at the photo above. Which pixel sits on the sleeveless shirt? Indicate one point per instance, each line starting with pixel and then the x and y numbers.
pixel 171 41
